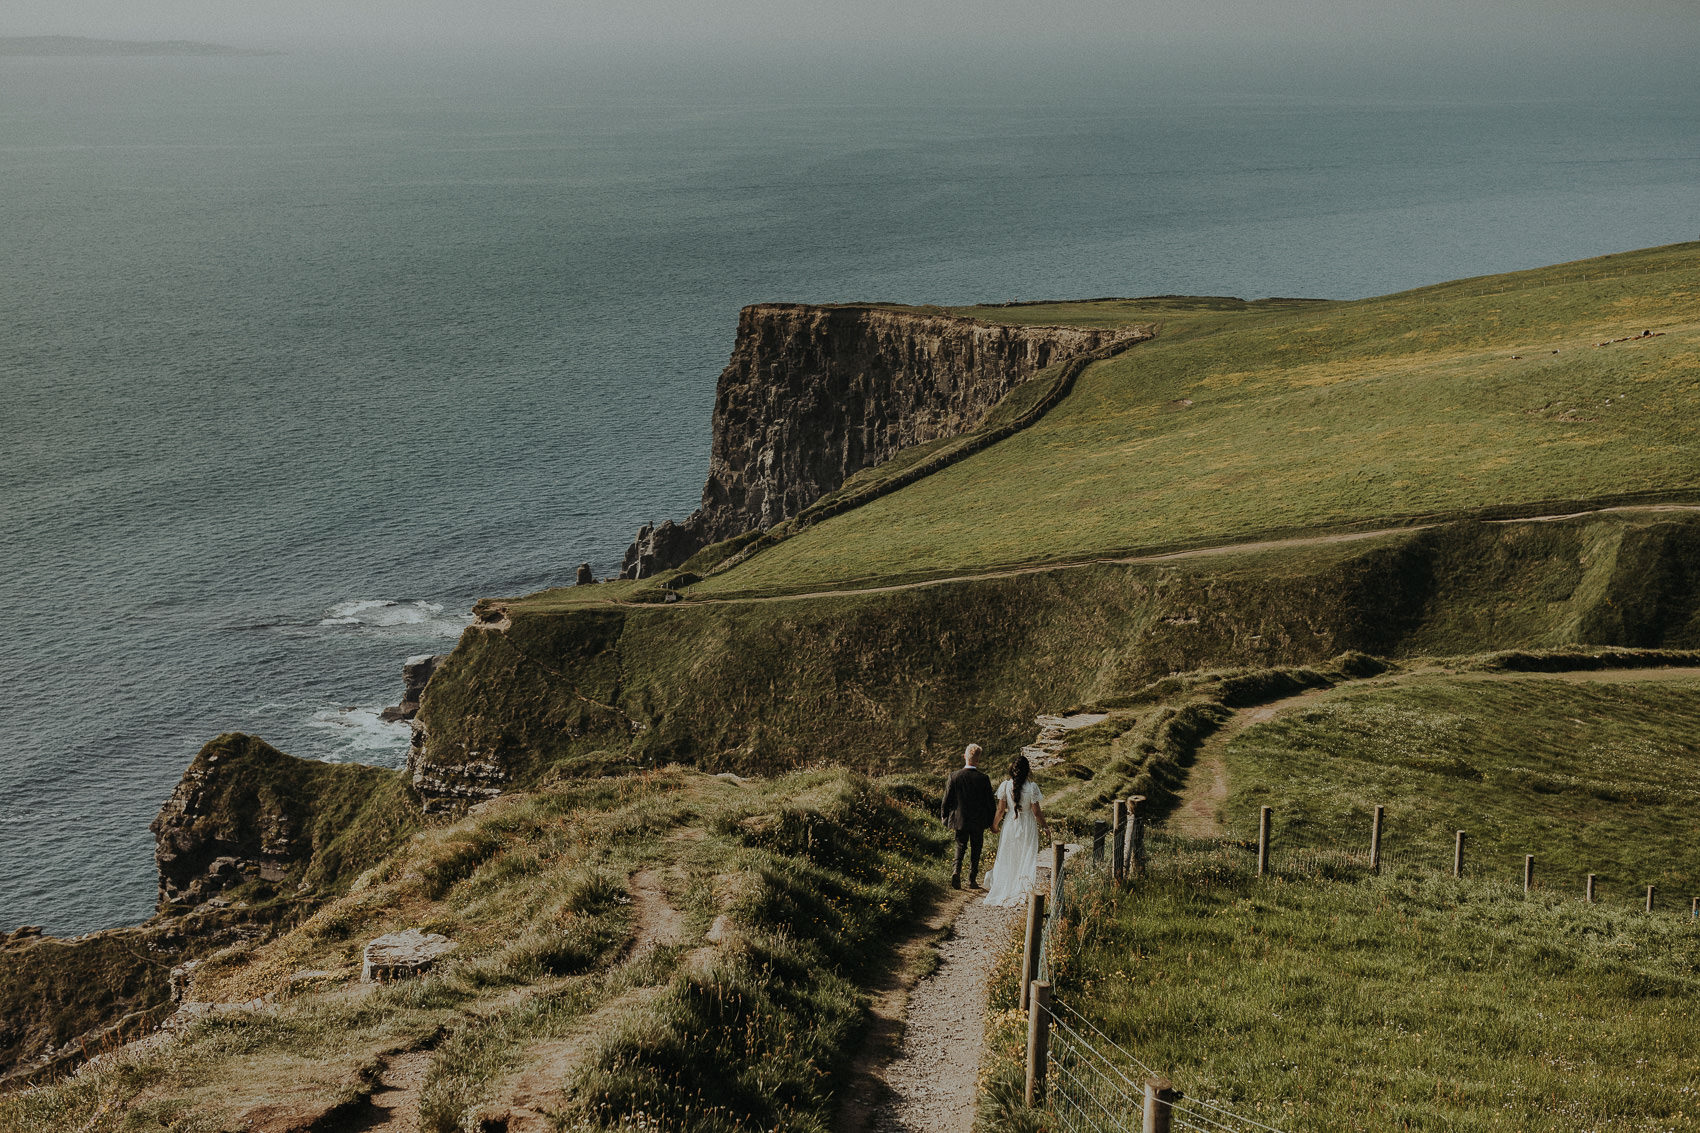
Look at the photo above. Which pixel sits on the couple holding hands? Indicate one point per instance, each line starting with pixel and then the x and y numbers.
pixel 1012 812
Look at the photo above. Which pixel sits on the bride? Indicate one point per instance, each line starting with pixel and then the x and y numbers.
pixel 1017 863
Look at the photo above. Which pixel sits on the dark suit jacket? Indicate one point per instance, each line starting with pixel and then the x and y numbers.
pixel 969 803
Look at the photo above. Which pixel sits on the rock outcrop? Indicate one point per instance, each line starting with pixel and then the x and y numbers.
pixel 246 811
pixel 415 674
pixel 813 395
pixel 285 830
pixel 402 955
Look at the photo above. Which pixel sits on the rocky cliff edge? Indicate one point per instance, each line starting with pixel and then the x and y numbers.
pixel 814 394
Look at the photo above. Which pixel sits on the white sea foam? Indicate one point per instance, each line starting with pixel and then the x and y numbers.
pixel 411 619
pixel 362 737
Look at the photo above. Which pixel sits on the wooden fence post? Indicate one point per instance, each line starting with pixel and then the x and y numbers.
pixel 1458 856
pixel 1528 873
pixel 1035 940
pixel 1263 814
pixel 1038 1041
pixel 1160 1098
pixel 1650 891
pixel 1590 891
pixel 1135 836
pixel 1059 852
pixel 1375 840
pixel 1100 829
pixel 1118 828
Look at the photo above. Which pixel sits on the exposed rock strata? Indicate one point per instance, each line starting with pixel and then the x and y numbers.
pixel 813 395
pixel 446 787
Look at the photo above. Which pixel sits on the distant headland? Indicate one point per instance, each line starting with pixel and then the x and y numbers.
pixel 15 46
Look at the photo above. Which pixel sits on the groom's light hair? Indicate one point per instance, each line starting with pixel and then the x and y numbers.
pixel 972 754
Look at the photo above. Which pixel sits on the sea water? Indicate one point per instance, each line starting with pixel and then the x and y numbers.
pixel 299 356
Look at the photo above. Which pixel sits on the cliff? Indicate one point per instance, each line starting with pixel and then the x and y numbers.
pixel 899 680
pixel 245 811
pixel 250 839
pixel 813 395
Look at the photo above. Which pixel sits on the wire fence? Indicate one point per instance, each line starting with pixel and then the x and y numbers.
pixel 1092 1084
pixel 1313 852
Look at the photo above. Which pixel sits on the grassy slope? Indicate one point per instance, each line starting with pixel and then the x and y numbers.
pixel 901 680
pixel 1371 1003
pixel 1404 1002
pixel 811 873
pixel 1590 774
pixel 1309 415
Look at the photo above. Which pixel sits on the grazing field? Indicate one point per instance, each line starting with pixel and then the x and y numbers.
pixel 1328 998
pixel 1590 772
pixel 1481 394
pixel 1407 1001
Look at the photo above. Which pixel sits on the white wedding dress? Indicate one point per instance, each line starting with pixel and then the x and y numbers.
pixel 1017 862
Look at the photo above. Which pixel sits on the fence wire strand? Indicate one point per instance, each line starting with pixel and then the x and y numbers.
pixel 1087 1091
pixel 1090 1091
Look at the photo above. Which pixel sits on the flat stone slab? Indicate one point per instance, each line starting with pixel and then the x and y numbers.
pixel 402 955
pixel 1070 723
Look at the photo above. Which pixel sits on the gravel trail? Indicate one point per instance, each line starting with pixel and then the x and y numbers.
pixel 931 1081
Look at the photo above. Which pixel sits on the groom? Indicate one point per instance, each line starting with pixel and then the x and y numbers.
pixel 968 809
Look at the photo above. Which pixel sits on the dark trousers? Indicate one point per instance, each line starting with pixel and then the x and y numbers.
pixel 971 841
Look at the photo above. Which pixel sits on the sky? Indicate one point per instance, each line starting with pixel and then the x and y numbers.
pixel 1283 29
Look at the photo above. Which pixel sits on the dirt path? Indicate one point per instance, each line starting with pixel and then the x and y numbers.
pixel 1195 553
pixel 395 1103
pixel 1199 814
pixel 929 1087
pixel 1130 560
pixel 655 922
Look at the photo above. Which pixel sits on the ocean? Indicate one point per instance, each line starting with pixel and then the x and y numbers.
pixel 301 355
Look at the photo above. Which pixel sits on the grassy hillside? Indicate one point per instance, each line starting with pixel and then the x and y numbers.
pixel 1404 1002
pixel 1590 772
pixel 1325 998
pixel 673 945
pixel 902 679
pixel 1242 419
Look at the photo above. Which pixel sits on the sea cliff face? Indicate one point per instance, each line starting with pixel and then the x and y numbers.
pixel 815 394
pixel 251 839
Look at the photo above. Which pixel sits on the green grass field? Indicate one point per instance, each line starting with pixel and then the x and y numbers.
pixel 1326 998
pixel 1403 1002
pixel 1242 419
pixel 1591 773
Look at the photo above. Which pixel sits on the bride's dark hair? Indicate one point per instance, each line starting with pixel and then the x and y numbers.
pixel 1018 776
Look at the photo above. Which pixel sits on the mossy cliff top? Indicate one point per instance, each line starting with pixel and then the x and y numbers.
pixel 251 839
pixel 1556 387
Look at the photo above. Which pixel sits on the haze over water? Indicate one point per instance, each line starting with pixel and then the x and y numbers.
pixel 301 355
